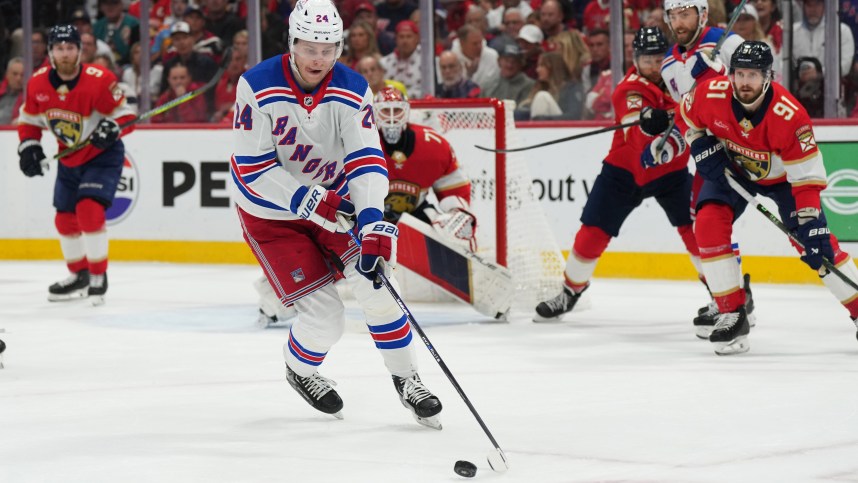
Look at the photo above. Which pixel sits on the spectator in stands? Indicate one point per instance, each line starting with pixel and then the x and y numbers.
pixel 40 50
pixel 106 61
pixel 180 83
pixel 220 21
pixel 395 11
pixel 132 77
pixel 476 17
pixel 385 39
pixel 770 21
pixel 118 29
pixel 551 18
pixel 480 62
pixel 571 47
pixel 88 48
pixel 748 27
pixel 12 91
pixel 403 64
pixel 241 41
pixel 512 84
pixel 530 42
pixel 454 84
pixel 600 57
pixel 360 43
pixel 497 16
pixel 225 89
pixel 370 68
pixel 597 16
pixel 513 21
pixel 809 86
pixel 809 36
pixel 162 39
pixel 200 66
pixel 717 13
pixel 204 41
pixel 554 95
pixel 655 18
pixel 81 21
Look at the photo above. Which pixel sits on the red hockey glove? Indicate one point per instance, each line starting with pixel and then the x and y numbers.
pixel 377 250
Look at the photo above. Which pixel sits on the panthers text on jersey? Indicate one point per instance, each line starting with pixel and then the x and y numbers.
pixel 287 140
pixel 631 95
pixel 72 109
pixel 422 159
pixel 773 145
pixel 678 62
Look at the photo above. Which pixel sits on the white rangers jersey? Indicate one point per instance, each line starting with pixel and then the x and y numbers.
pixel 286 140
pixel 678 63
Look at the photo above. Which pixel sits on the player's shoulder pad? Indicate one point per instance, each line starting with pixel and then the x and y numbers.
pixel 41 70
pixel 778 92
pixel 419 129
pixel 268 73
pixel 346 79
pixel 96 71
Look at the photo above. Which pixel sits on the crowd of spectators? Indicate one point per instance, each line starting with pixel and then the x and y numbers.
pixel 552 57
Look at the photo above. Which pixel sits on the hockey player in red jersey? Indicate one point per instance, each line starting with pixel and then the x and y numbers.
pixel 419 159
pixel 76 101
pixel 307 152
pixel 756 128
pixel 632 171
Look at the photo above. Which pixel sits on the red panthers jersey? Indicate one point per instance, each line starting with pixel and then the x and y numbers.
pixel 773 145
pixel 631 95
pixel 72 109
pixel 422 159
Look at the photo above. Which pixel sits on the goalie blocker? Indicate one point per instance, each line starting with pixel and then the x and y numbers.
pixel 485 285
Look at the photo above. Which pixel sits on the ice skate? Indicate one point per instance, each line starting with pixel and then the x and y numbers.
pixel 855 321
pixel 730 335
pixel 553 309
pixel 423 404
pixel 97 289
pixel 706 316
pixel 73 287
pixel 318 391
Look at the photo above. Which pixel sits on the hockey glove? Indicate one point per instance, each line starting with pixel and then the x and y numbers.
pixel 377 250
pixel 654 121
pixel 705 68
pixel 710 157
pixel 814 234
pixel 459 226
pixel 32 156
pixel 105 134
pixel 321 206
pixel 673 147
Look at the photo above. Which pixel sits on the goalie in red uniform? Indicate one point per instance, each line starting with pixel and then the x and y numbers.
pixel 631 172
pixel 756 128
pixel 76 102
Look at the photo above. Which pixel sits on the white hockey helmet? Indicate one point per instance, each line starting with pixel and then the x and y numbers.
pixel 316 21
pixel 702 7
pixel 391 113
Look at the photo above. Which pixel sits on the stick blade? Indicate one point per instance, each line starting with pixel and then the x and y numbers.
pixel 497 460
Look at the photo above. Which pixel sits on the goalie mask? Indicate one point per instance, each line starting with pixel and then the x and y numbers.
pixel 315 21
pixel 63 33
pixel 756 55
pixel 391 113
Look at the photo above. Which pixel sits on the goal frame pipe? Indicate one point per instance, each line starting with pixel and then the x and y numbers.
pixel 501 232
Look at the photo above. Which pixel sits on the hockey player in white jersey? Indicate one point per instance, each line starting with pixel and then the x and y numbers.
pixel 305 138
pixel 685 65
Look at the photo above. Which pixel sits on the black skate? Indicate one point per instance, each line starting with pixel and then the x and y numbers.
pixel 97 288
pixel 855 321
pixel 730 335
pixel 318 391
pixel 73 287
pixel 422 403
pixel 706 316
pixel 553 309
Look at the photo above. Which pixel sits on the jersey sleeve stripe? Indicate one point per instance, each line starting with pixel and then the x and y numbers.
pixel 360 153
pixel 255 159
pixel 248 192
pixel 794 162
pixel 366 170
pixel 251 173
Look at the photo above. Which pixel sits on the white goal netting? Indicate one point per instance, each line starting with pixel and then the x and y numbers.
pixel 516 232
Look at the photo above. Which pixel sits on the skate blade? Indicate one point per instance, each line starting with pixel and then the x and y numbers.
pixel 738 345
pixel 540 319
pixel 338 415
pixel 96 300
pixel 77 295
pixel 703 332
pixel 752 320
pixel 433 422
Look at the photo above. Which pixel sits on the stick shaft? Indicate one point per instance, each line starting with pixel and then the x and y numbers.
pixel 562 140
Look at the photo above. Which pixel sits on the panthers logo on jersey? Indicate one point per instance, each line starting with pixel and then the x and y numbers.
pixel 756 164
pixel 65 125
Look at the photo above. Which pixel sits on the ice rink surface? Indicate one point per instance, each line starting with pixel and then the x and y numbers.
pixel 171 381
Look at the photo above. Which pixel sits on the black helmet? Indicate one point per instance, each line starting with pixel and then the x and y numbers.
pixel 649 41
pixel 63 33
pixel 752 54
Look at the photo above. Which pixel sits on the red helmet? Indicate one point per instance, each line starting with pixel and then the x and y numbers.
pixel 391 113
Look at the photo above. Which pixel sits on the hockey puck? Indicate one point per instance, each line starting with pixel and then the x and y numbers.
pixel 465 468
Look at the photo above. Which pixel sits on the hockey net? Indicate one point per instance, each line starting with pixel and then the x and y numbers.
pixel 512 228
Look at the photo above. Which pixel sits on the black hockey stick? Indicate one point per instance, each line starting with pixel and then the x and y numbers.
pixel 562 140
pixel 158 110
pixel 497 458
pixel 714 53
pixel 778 223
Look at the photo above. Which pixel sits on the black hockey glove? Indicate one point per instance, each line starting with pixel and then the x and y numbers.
pixel 711 159
pixel 32 156
pixel 814 234
pixel 654 121
pixel 105 134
